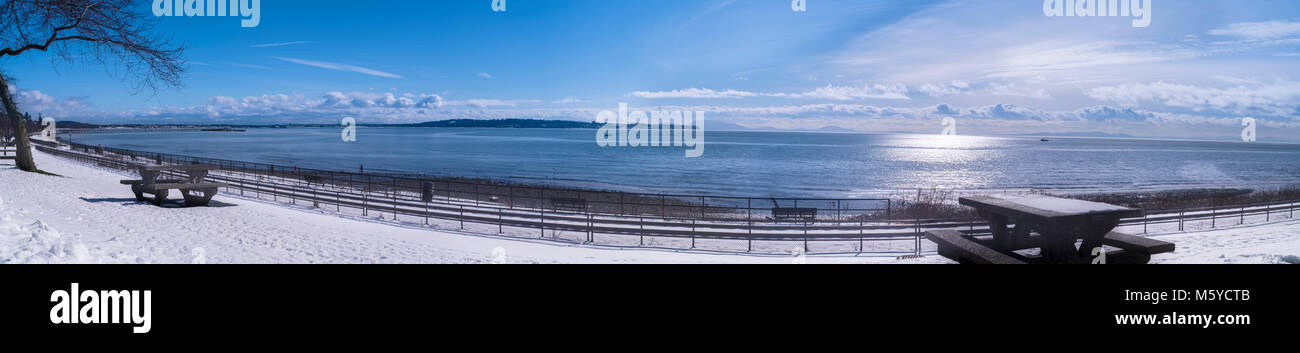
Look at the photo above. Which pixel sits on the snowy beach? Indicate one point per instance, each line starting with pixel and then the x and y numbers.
pixel 85 216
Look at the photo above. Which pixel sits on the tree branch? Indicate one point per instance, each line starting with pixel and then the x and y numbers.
pixel 54 36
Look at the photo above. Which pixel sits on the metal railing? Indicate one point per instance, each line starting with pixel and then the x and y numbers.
pixel 405 198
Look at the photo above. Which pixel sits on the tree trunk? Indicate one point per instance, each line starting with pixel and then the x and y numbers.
pixel 19 127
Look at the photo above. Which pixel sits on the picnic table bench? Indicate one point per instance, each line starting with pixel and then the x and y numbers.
pixel 1050 224
pixel 802 214
pixel 794 214
pixel 192 187
pixel 571 204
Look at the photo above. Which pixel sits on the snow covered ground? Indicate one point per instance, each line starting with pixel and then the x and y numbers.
pixel 85 216
pixel 1252 244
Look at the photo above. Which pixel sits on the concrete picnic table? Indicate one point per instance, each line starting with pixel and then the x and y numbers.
pixel 191 186
pixel 1059 222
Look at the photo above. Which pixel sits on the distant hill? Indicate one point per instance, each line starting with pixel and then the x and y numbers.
pixel 465 123
pixel 75 125
pixel 834 129
pixel 1078 134
pixel 500 123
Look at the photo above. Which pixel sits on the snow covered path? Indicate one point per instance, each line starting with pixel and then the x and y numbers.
pixel 85 216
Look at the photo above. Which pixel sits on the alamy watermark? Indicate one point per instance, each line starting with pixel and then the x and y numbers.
pixel 249 10
pixel 76 306
pixel 198 256
pixel 349 133
pixel 655 129
pixel 1248 132
pixel 498 5
pixel 1139 9
pixel 50 129
pixel 499 256
pixel 949 127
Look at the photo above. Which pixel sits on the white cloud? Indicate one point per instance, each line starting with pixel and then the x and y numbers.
pixel 251 66
pixel 946 88
pixel 484 75
pixel 1259 30
pixel 1007 89
pixel 694 93
pixel 844 93
pixel 1013 90
pixel 829 92
pixel 484 103
pixel 340 67
pixel 1278 98
pixel 38 103
pixel 283 44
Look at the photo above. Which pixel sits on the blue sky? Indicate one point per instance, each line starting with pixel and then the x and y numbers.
pixel 997 66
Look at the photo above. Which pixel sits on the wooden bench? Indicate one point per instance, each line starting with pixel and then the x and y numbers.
pixel 783 214
pixel 954 245
pixel 1133 249
pixel 570 204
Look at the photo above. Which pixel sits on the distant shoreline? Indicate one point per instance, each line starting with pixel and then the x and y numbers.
pixel 453 123
pixel 74 127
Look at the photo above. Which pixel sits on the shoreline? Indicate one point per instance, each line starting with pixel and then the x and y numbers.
pixel 903 204
pixel 261 230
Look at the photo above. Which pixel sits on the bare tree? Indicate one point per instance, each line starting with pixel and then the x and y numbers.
pixel 112 33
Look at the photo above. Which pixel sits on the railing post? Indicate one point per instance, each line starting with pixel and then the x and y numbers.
pixel 703 207
pixel 861 235
pixel 805 231
pixel 1144 223
pixel 692 234
pixel 918 244
pixel 663 207
pixel 749 219
pixel 1243 216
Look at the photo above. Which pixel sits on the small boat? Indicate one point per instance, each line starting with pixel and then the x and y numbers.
pixel 1046 140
